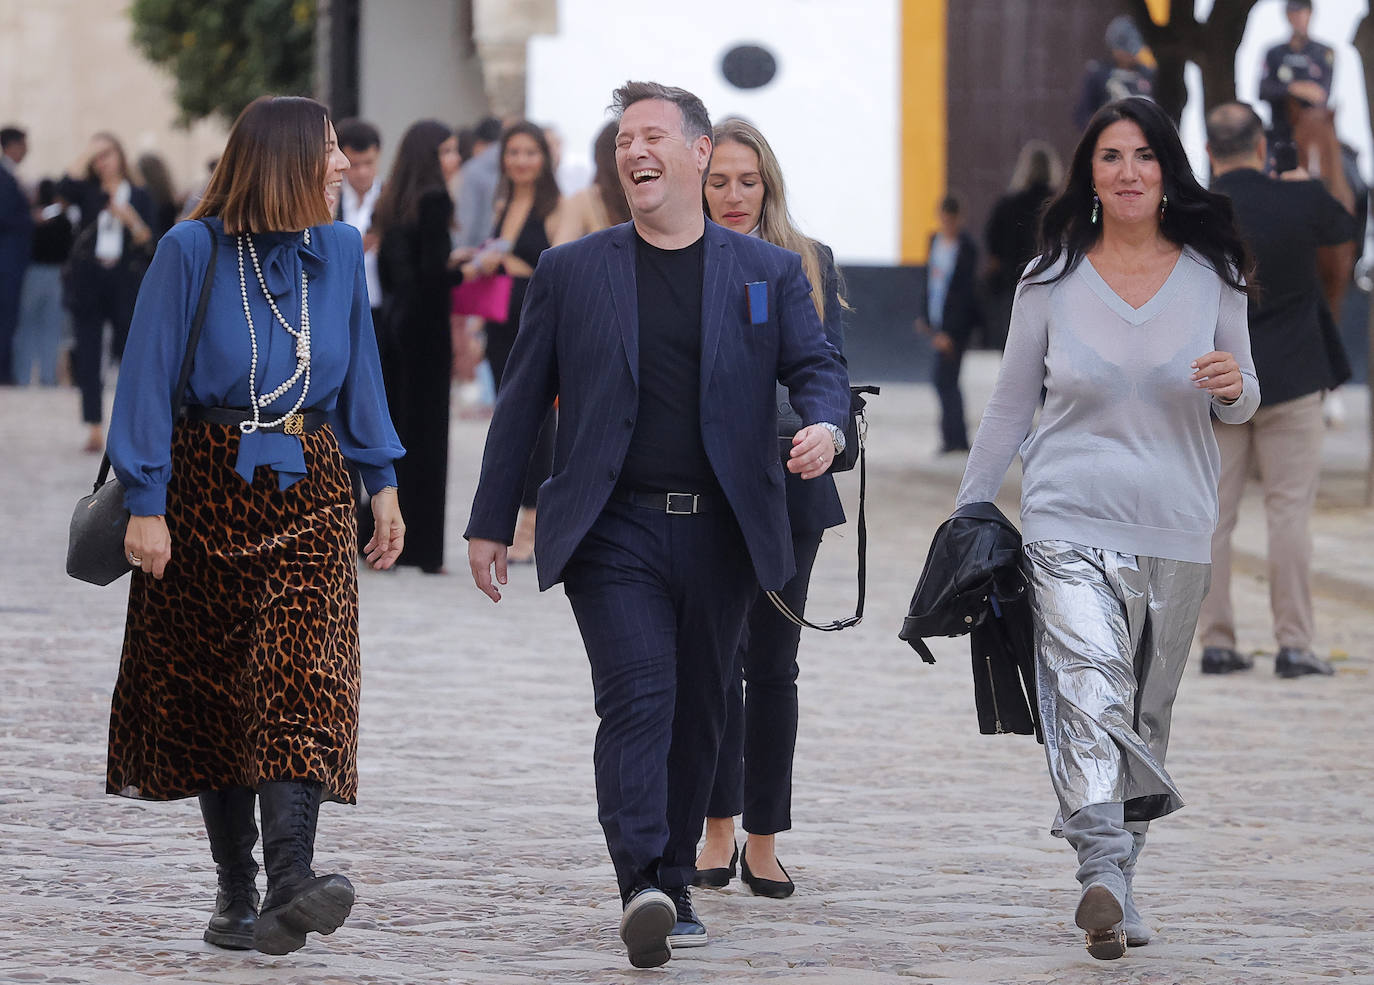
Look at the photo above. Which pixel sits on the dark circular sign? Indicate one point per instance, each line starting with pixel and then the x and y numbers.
pixel 749 66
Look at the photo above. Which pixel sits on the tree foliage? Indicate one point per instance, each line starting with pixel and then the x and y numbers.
pixel 227 53
pixel 1211 43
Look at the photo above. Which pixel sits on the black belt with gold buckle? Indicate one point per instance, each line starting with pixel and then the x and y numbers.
pixel 304 422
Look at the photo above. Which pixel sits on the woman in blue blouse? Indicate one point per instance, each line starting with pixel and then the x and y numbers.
pixel 240 671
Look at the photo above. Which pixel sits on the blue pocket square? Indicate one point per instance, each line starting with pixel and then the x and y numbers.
pixel 757 295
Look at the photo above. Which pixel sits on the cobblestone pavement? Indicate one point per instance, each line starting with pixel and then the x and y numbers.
pixel 920 848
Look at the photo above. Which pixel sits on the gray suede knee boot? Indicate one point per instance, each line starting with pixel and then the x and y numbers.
pixel 1138 932
pixel 1104 846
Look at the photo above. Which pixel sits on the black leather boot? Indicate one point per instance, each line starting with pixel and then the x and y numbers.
pixel 229 823
pixel 298 902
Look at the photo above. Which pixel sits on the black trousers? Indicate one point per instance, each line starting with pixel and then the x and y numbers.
pixel 953 430
pixel 754 767
pixel 101 295
pixel 660 601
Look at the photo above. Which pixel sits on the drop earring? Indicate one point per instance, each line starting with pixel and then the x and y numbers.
pixel 1096 204
pixel 1163 204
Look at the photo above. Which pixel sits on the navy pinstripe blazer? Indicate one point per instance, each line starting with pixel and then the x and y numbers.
pixel 579 341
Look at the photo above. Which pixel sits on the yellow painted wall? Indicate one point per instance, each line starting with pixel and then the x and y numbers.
pixel 924 134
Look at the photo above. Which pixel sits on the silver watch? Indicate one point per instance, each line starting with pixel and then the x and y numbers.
pixel 836 435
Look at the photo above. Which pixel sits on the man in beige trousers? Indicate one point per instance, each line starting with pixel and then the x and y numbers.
pixel 1283 222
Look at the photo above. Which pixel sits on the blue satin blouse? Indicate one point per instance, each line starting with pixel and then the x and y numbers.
pixel 345 371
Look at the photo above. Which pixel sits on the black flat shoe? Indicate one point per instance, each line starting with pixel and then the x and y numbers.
pixel 764 887
pixel 717 878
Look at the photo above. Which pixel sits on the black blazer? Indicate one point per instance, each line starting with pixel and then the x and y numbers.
pixel 90 198
pixel 1283 223
pixel 814 504
pixel 962 312
pixel 579 340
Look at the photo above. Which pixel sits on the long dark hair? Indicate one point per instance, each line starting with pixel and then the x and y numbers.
pixel 1195 217
pixel 546 193
pixel 414 173
pixel 607 178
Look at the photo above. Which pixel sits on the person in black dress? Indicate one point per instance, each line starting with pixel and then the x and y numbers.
pixel 414 220
pixel 1012 230
pixel 528 210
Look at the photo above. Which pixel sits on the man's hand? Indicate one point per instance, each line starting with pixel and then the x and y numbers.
pixel 1308 91
pixel 813 451
pixel 942 343
pixel 482 556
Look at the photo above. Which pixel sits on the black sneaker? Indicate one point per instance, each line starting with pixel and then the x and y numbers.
pixel 1224 660
pixel 1292 662
pixel 645 926
pixel 689 931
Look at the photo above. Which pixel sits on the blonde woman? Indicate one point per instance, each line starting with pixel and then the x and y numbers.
pixel 745 192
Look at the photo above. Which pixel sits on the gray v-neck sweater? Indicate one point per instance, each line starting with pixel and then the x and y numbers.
pixel 1123 456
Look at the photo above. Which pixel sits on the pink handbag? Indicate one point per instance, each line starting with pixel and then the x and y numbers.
pixel 485 297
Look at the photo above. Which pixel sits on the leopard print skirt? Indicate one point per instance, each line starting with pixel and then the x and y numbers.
pixel 241 664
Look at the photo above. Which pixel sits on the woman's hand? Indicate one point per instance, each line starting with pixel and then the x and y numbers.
pixel 389 531
pixel 147 544
pixel 128 215
pixel 489 262
pixel 461 256
pixel 1218 373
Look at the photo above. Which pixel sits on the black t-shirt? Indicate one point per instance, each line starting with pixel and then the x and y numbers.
pixel 666 452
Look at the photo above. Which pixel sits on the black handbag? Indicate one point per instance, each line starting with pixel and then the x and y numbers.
pixel 95 542
pixel 855 436
pixel 790 422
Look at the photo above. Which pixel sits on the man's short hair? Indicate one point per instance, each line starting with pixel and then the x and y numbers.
pixel 1233 130
pixel 488 130
pixel 951 205
pixel 11 135
pixel 1298 5
pixel 357 134
pixel 696 122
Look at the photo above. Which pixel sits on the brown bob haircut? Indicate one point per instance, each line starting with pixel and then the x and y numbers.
pixel 271 176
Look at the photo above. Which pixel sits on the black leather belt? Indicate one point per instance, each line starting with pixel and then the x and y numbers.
pixel 674 503
pixel 305 422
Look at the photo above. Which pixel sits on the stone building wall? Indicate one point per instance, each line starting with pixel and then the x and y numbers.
pixel 69 68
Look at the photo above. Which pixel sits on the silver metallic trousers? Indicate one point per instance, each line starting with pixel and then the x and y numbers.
pixel 1112 635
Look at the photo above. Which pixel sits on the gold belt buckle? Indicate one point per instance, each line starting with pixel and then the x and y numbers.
pixel 294 424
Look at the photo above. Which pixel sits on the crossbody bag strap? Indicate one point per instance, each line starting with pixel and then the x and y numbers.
pixel 197 323
pixel 858 616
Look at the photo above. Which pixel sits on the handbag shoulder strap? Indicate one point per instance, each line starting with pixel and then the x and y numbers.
pixel 858 616
pixel 197 323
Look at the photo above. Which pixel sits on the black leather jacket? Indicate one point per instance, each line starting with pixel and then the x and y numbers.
pixel 972 583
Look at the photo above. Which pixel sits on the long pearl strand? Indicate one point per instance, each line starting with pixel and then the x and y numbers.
pixel 302 337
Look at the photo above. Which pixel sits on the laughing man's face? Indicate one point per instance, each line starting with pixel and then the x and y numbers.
pixel 660 169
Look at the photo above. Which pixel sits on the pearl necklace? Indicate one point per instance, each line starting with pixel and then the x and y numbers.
pixel 302 337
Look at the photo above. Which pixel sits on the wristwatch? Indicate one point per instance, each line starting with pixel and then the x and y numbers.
pixel 836 435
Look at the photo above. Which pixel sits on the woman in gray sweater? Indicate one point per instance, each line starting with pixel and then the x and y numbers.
pixel 1132 322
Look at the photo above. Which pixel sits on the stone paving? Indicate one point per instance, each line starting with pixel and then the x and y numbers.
pixel 920 848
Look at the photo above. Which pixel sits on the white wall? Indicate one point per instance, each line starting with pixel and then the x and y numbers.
pixel 413 65
pixel 831 113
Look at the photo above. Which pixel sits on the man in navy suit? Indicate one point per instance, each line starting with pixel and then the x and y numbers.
pixel 16 231
pixel 663 340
